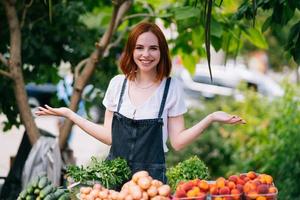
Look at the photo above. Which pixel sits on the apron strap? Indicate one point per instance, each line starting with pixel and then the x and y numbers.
pixel 121 94
pixel 162 105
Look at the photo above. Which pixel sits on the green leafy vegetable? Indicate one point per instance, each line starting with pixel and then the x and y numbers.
pixel 110 173
pixel 189 169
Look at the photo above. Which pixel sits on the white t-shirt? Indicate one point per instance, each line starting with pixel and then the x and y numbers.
pixel 174 105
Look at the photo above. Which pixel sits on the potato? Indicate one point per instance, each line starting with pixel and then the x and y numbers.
pixel 135 192
pixel 156 183
pixel 144 182
pixel 164 190
pixel 152 191
pixel 139 174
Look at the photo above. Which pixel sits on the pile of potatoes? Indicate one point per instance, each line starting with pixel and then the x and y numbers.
pixel 141 187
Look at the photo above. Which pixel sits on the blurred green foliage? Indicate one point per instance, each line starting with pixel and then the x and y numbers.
pixel 268 143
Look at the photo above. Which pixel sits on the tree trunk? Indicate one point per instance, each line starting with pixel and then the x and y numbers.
pixel 15 70
pixel 120 8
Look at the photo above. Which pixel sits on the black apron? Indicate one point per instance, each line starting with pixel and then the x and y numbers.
pixel 140 142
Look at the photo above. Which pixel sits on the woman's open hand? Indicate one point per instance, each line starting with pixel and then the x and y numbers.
pixel 47 110
pixel 223 117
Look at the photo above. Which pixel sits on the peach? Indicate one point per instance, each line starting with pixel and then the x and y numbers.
pixel 224 190
pixel 180 193
pixel 252 195
pixel 231 184
pixel 251 175
pixel 187 185
pixel 272 189
pixel 220 182
pixel 249 186
pixel 239 187
pixel 263 189
pixel 192 193
pixel 235 193
pixel 214 190
pixel 233 178
pixel 242 176
pixel 240 181
pixel 269 179
pixel 217 198
pixel 261 198
pixel 203 185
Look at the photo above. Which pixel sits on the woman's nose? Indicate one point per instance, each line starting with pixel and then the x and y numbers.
pixel 146 52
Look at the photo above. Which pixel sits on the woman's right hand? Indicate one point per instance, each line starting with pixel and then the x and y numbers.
pixel 47 110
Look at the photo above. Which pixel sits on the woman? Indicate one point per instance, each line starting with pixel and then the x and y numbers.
pixel 144 106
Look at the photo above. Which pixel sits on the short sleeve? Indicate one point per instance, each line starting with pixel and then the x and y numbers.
pixel 112 94
pixel 176 99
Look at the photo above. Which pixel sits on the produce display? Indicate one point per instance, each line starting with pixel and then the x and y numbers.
pixel 110 173
pixel 141 187
pixel 183 179
pixel 260 187
pixel 224 189
pixel 248 186
pixel 190 169
pixel 194 189
pixel 41 188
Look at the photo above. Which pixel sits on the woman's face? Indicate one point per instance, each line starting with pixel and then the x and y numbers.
pixel 146 53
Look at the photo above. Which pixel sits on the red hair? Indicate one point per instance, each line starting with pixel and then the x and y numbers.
pixel 127 64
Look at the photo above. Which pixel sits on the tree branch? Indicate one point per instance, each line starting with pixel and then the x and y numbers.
pixel 79 67
pixel 3 60
pixel 24 13
pixel 5 73
pixel 123 9
pixel 116 42
pixel 137 15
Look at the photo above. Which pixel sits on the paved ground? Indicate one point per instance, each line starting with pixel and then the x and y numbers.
pixel 83 145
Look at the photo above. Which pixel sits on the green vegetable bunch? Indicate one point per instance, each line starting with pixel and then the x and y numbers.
pixel 109 173
pixel 189 169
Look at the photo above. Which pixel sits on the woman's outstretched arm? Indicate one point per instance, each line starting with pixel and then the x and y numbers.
pixel 181 137
pixel 101 133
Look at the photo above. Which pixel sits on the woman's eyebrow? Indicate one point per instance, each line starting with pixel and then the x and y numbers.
pixel 140 45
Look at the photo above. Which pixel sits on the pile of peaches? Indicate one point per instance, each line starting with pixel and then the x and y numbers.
pixel 248 186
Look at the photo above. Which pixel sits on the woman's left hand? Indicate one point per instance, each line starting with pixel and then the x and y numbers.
pixel 223 117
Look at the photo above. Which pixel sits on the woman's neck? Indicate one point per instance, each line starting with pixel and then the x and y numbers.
pixel 145 78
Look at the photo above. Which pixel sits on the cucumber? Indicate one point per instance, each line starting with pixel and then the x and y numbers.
pixel 58 193
pixel 29 189
pixel 30 197
pixel 50 196
pixel 65 196
pixel 36 191
pixel 23 194
pixel 43 182
pixel 35 181
pixel 47 190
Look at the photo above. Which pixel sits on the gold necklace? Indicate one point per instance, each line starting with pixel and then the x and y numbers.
pixel 145 87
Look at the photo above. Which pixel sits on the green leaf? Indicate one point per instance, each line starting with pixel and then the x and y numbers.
pixel 255 37
pixel 293 35
pixel 216 28
pixel 266 24
pixel 190 61
pixel 216 42
pixel 186 12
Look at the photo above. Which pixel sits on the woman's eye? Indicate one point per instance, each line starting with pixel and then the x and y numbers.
pixel 138 47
